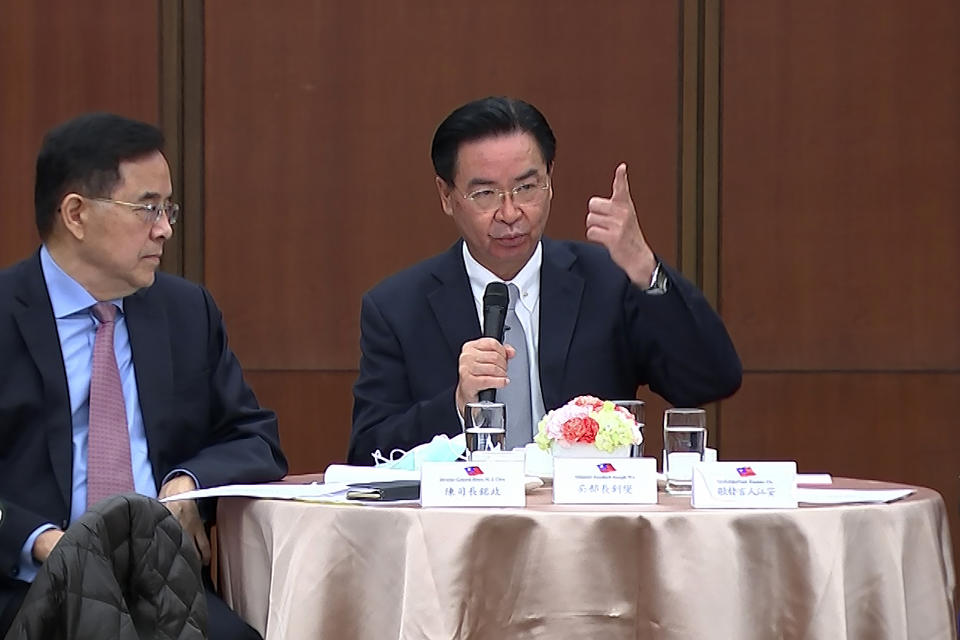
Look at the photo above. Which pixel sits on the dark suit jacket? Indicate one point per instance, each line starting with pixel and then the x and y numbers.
pixel 198 412
pixel 599 334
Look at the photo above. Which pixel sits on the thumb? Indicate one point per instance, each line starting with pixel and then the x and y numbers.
pixel 621 186
pixel 510 350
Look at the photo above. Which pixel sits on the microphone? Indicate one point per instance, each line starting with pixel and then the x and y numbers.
pixel 496 299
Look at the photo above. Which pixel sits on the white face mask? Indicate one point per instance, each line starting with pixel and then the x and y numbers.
pixel 440 449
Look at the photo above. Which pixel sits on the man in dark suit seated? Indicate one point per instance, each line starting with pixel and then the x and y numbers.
pixel 601 318
pixel 113 378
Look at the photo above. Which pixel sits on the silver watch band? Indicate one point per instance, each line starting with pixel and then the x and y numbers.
pixel 658 281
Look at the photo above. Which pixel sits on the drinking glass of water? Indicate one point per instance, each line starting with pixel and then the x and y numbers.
pixel 684 440
pixel 484 425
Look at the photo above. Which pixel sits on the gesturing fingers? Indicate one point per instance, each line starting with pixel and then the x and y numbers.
pixel 612 222
pixel 621 186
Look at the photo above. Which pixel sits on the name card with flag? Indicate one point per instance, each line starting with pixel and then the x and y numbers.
pixel 605 481
pixel 744 485
pixel 481 483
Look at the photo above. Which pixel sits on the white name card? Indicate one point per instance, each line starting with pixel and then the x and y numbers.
pixel 605 480
pixel 744 485
pixel 484 483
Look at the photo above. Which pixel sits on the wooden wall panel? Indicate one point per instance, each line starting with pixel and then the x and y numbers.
pixel 840 197
pixel 313 414
pixel 60 58
pixel 319 116
pixel 318 182
pixel 863 425
pixel 840 238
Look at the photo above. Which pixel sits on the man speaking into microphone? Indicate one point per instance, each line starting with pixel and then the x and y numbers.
pixel 601 317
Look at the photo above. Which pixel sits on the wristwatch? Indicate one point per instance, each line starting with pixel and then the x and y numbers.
pixel 658 281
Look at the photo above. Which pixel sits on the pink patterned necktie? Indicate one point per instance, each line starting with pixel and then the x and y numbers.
pixel 109 471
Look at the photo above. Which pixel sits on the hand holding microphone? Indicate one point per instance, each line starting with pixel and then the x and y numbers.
pixel 483 362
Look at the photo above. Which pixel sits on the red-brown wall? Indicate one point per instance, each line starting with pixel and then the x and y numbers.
pixel 59 58
pixel 318 176
pixel 840 236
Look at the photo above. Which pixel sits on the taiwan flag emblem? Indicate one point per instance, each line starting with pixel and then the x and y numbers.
pixel 745 472
pixel 473 471
pixel 606 467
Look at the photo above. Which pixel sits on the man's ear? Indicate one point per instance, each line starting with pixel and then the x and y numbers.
pixel 446 195
pixel 73 212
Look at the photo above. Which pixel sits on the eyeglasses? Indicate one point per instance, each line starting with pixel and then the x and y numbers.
pixel 487 199
pixel 149 212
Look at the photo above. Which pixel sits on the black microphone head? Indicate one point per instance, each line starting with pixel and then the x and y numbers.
pixel 496 295
pixel 496 300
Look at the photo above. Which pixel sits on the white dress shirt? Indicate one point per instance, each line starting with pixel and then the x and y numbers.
pixel 527 309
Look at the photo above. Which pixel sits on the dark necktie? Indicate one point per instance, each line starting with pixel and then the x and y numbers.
pixel 109 471
pixel 516 395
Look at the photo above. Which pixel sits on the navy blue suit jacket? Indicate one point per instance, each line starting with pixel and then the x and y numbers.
pixel 599 334
pixel 198 412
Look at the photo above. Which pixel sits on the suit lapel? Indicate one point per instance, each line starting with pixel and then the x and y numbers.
pixel 560 294
pixel 452 301
pixel 150 347
pixel 39 330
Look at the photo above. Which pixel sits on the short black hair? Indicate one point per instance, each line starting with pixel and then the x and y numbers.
pixel 84 155
pixel 484 118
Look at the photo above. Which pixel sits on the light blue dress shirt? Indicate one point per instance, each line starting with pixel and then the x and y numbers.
pixel 77 327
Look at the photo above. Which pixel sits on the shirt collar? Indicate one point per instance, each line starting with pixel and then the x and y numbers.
pixel 527 279
pixel 67 296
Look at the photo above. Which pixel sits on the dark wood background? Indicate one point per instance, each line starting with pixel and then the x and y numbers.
pixel 318 179
pixel 797 159
pixel 840 227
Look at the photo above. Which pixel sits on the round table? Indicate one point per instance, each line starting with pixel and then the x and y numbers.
pixel 300 570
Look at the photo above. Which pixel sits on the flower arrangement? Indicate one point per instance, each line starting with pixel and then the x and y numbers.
pixel 590 420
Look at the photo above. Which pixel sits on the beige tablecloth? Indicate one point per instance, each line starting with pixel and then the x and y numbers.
pixel 295 570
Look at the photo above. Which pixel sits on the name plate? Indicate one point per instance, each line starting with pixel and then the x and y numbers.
pixel 744 485
pixel 484 483
pixel 605 480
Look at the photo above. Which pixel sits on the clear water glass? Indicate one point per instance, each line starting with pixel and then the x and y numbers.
pixel 484 425
pixel 684 441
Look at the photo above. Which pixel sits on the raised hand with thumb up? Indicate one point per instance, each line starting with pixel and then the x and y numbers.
pixel 613 223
